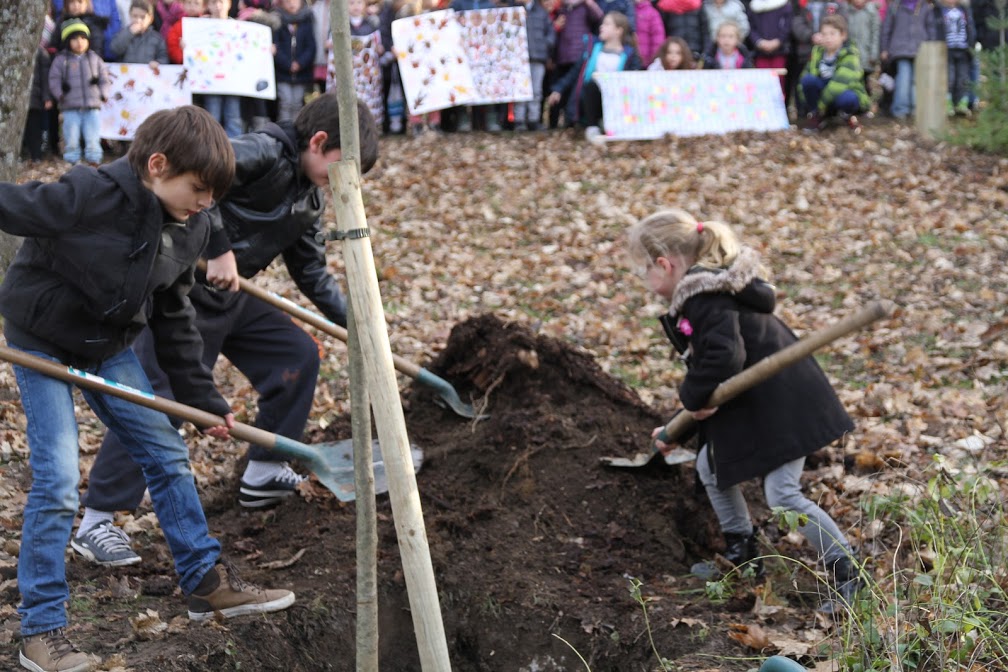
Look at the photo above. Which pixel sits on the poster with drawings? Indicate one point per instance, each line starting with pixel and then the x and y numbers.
pixel 228 57
pixel 432 64
pixel 367 73
pixel 496 43
pixel 651 104
pixel 138 91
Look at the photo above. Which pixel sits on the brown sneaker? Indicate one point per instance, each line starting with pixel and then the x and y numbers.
pixel 52 652
pixel 222 592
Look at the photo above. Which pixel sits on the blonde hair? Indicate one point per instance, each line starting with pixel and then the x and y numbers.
pixel 676 232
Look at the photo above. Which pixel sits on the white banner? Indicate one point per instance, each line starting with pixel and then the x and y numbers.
pixel 643 105
pixel 432 64
pixel 228 57
pixel 450 58
pixel 138 91
pixel 367 73
pixel 496 42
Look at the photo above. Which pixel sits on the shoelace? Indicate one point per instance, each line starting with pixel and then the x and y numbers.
pixel 109 538
pixel 288 475
pixel 237 583
pixel 58 645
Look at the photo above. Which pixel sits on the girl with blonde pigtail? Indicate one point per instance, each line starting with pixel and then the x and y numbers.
pixel 721 321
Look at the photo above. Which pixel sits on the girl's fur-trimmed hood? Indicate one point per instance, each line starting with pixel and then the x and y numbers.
pixel 741 279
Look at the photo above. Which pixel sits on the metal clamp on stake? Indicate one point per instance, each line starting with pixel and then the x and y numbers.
pixel 353 234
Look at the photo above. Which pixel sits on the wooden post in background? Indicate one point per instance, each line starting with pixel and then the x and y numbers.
pixel 931 83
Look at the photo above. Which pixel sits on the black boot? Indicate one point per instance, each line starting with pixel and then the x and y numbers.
pixel 846 583
pixel 740 552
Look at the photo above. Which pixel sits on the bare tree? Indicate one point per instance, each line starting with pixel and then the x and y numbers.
pixel 20 31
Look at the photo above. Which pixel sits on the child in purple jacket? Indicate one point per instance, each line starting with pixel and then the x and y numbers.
pixel 79 83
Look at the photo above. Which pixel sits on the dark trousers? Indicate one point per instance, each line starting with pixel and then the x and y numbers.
pixel 590 104
pixel 958 74
pixel 31 141
pixel 279 359
pixel 813 86
pixel 554 112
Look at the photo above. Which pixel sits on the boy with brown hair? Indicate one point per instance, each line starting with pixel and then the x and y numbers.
pixel 273 209
pixel 833 81
pixel 108 253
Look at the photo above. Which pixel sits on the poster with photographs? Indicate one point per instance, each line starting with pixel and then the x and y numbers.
pixel 138 91
pixel 367 73
pixel 230 58
pixel 432 64
pixel 496 44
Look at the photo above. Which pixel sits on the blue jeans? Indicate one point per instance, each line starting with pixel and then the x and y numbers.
pixel 813 86
pixel 52 501
pixel 75 124
pixel 226 110
pixel 904 93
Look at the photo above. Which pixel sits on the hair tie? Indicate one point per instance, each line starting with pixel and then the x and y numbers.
pixel 699 227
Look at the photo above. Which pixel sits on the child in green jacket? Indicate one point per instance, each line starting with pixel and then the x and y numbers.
pixel 833 81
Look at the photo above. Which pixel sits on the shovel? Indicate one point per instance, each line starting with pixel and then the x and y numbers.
pixel 332 463
pixel 447 394
pixel 754 375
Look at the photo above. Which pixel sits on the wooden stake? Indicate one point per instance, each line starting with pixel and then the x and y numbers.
pixel 389 419
pixel 931 84
pixel 379 372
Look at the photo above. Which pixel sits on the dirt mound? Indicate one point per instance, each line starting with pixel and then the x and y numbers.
pixel 529 537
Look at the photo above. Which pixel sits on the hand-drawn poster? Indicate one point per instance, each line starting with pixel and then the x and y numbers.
pixel 496 42
pixel 432 64
pixel 228 57
pixel 138 91
pixel 367 73
pixel 646 105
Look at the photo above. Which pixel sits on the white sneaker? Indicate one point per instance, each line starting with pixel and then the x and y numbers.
pixel 593 134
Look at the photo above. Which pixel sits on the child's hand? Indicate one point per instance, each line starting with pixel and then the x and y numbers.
pixel 560 22
pixel 663 448
pixel 222 272
pixel 295 67
pixel 703 413
pixel 222 431
pixel 553 99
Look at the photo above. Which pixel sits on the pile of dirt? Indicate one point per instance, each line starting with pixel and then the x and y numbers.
pixel 529 536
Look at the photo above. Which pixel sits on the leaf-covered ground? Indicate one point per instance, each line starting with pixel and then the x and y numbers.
pixel 529 228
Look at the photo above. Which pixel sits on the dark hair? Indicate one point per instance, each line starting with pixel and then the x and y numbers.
pixel 322 114
pixel 191 140
pixel 687 54
pixel 144 5
pixel 836 20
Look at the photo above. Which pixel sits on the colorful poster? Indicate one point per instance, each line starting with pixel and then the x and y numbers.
pixel 228 57
pixel 496 42
pixel 649 104
pixel 138 91
pixel 367 73
pixel 432 64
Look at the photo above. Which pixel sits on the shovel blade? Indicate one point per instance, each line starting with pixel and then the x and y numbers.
pixel 335 468
pixel 677 456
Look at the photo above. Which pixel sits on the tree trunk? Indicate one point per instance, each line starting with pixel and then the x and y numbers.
pixel 20 31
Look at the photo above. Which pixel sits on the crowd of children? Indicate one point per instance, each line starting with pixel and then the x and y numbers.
pixel 879 38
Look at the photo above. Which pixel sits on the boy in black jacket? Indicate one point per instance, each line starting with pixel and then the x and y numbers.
pixel 273 208
pixel 109 252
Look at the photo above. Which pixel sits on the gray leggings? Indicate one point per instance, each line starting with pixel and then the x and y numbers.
pixel 782 487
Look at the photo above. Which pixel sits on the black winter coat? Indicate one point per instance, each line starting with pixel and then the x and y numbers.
pixel 98 264
pixel 272 209
pixel 731 327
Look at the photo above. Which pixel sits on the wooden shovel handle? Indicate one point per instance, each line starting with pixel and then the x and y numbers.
pixel 402 365
pixel 775 363
pixel 201 419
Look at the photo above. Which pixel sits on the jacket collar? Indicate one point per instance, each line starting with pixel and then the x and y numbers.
pixel 704 279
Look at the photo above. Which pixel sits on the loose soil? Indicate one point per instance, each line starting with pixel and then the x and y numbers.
pixel 531 540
